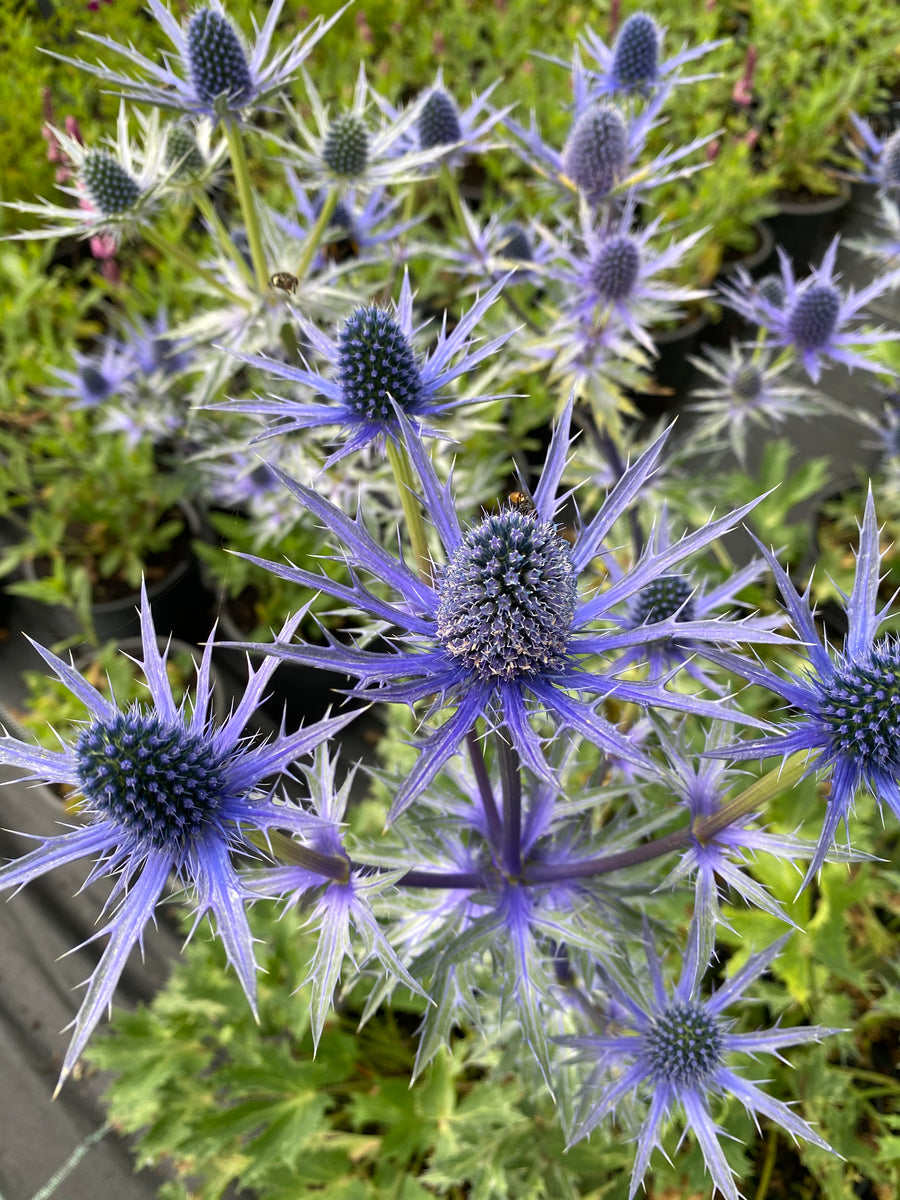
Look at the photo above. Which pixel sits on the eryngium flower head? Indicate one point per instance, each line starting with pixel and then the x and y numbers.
pixel 438 122
pixel 748 393
pixel 615 269
pixel 375 373
pixel 846 704
pixel 346 149
pixel 216 59
pixel 110 188
pixel 635 59
pixel 376 366
pixel 600 156
pixel 183 154
pixel 507 597
pixel 541 641
pixel 880 156
pixel 116 185
pixel 163 789
pixel 220 77
pixel 632 64
pixel 595 156
pixel 677 1050
pixel 814 316
pixel 663 597
pixel 515 243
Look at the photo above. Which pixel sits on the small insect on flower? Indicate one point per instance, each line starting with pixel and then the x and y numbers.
pixel 284 281
pixel 522 503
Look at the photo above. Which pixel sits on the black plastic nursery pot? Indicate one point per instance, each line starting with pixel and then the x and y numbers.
pixel 804 225
pixel 298 692
pixel 179 599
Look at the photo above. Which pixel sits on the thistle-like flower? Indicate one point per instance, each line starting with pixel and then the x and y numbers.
pixel 354 148
pixel 814 318
pixel 608 272
pixel 749 395
pixel 340 904
pixel 116 185
pixel 213 72
pixel 445 129
pixel 880 156
pixel 163 790
pixel 376 373
pixel 676 1049
pixel 503 623
pixel 599 159
pixel 634 64
pixel 846 704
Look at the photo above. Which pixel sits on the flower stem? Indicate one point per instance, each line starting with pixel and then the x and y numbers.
pixel 331 866
pixel 222 235
pixel 702 830
pixel 511 782
pixel 314 238
pixel 172 250
pixel 403 474
pixel 488 803
pixel 248 207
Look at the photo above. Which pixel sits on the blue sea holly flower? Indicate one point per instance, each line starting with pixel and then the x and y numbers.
pixel 96 378
pixel 339 906
pixel 678 598
pixel 880 156
pixel 634 63
pixel 600 156
pixel 213 72
pixel 354 148
pixel 502 626
pixel 375 374
pixel 163 790
pixel 846 705
pixel 449 131
pixel 676 1050
pixel 815 318
pixel 749 394
pixel 116 185
pixel 609 271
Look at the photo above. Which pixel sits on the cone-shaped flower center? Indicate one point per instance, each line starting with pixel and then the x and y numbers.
pixel 814 316
pixel 507 597
pixel 183 154
pixel 95 384
pixel 109 186
pixel 889 169
pixel 615 269
pixel 514 243
pixel 747 382
pixel 218 64
pixel 771 289
pixel 438 122
pixel 596 154
pixel 860 708
pixel 346 149
pixel 151 777
pixel 663 598
pixel 684 1045
pixel 376 364
pixel 636 53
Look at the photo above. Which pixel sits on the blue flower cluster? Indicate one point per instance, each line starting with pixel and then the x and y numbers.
pixel 561 657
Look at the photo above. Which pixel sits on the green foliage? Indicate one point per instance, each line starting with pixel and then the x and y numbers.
pixel 229 1103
